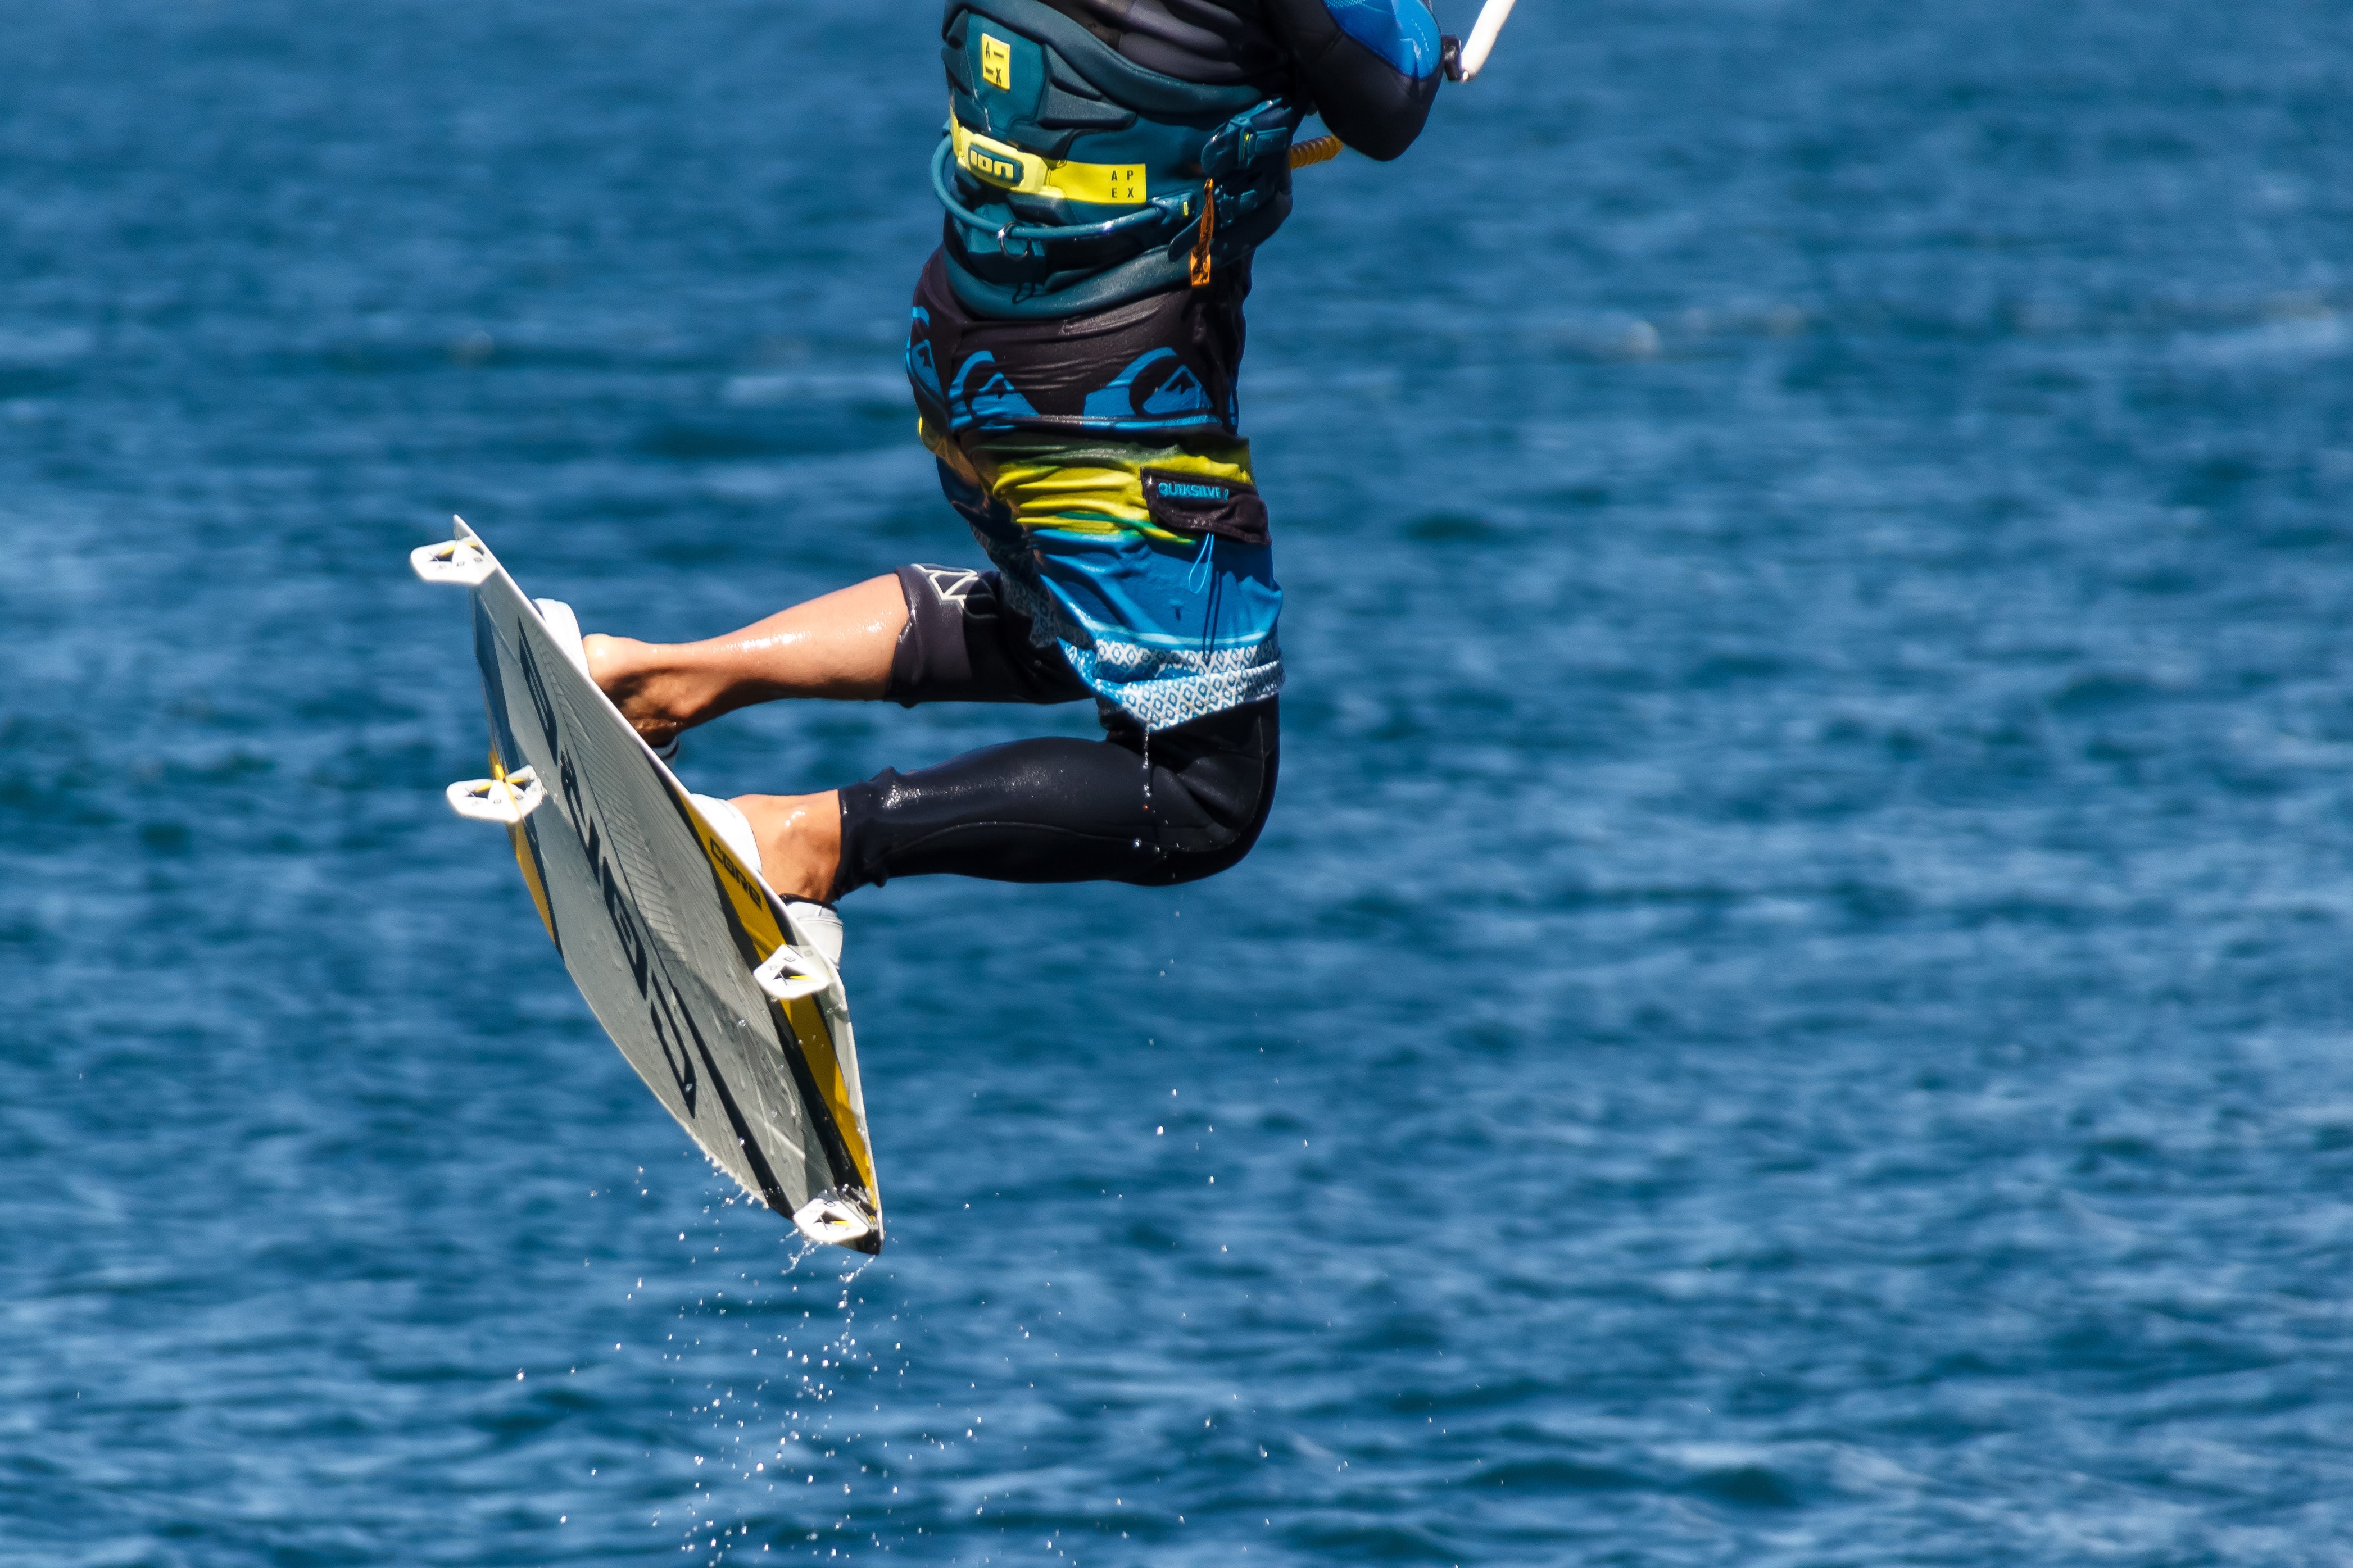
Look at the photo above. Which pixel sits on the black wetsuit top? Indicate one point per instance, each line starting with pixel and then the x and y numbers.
pixel 1366 94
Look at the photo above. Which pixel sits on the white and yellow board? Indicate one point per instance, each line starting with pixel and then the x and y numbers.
pixel 734 1016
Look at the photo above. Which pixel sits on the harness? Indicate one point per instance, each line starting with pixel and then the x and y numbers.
pixel 1075 179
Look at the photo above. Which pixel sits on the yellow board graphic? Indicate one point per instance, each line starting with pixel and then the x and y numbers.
pixel 803 1016
pixel 532 877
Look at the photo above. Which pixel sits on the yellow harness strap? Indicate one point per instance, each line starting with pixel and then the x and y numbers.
pixel 1009 168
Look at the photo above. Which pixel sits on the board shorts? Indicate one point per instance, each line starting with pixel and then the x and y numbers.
pixel 1149 809
pixel 1148 565
pixel 1097 460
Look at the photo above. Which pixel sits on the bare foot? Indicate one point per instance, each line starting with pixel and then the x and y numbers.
pixel 656 700
pixel 800 841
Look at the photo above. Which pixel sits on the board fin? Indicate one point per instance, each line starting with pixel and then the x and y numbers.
pixel 839 1218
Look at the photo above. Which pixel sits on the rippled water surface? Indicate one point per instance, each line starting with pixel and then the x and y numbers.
pixel 1794 1008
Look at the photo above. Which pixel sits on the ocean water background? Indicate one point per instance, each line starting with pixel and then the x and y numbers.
pixel 1794 1008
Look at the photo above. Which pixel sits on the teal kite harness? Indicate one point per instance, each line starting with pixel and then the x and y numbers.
pixel 1075 179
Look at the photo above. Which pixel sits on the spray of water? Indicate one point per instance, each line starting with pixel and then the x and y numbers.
pixel 781 1456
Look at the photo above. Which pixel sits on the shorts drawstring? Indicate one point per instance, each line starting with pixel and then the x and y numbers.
pixel 1201 564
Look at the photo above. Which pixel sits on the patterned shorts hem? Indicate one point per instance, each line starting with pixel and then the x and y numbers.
pixel 1160 690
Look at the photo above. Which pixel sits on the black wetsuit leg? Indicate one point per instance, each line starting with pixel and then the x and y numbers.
pixel 1185 803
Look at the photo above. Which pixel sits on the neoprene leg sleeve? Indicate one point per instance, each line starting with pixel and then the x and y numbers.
pixel 1060 810
pixel 1186 805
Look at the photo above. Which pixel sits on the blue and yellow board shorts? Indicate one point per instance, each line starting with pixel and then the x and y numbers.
pixel 1149 565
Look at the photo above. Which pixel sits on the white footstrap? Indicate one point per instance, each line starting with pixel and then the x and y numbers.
pixel 564 627
pixel 734 830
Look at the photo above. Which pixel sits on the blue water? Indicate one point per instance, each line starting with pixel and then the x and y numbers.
pixel 1794 1008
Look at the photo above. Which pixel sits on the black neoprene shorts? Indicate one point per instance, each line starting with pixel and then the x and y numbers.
pixel 1186 805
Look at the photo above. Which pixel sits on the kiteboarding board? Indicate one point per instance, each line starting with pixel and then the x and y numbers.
pixel 721 995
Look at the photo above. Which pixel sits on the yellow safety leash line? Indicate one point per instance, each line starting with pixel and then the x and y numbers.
pixel 1322 150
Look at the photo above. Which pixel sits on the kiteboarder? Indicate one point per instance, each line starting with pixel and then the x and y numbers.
pixel 1108 171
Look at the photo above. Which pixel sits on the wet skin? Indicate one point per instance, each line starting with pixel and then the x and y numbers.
pixel 838 645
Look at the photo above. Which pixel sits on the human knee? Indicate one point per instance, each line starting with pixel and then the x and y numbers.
pixel 1228 833
pixel 965 641
pixel 1213 782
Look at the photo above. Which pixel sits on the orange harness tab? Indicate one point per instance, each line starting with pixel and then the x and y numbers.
pixel 1209 228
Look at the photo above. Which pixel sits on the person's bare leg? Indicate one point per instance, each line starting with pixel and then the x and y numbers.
pixel 800 840
pixel 838 645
